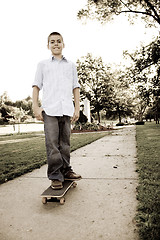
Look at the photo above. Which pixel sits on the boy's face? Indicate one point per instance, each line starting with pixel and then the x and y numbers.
pixel 56 45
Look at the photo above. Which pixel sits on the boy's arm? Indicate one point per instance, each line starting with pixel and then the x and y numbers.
pixel 76 94
pixel 36 109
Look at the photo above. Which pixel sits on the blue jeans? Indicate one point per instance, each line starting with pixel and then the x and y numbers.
pixel 57 138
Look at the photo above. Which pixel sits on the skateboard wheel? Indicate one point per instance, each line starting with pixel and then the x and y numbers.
pixel 62 201
pixel 44 200
pixel 74 184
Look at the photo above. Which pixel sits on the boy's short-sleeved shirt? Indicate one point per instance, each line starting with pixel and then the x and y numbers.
pixel 57 78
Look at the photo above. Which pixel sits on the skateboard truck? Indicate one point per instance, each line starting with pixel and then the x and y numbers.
pixel 51 194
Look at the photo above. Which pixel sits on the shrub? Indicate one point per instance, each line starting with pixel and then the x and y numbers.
pixel 139 123
pixel 120 124
pixel 85 126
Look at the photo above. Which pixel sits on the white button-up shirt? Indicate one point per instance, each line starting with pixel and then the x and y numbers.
pixel 57 78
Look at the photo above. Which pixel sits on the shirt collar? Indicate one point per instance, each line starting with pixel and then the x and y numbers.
pixel 52 58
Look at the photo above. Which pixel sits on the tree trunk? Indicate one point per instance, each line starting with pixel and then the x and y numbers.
pixel 140 118
pixel 157 119
pixel 119 114
pixel 98 116
pixel 19 128
pixel 19 125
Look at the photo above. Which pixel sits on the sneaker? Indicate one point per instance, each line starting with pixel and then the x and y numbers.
pixel 72 176
pixel 56 184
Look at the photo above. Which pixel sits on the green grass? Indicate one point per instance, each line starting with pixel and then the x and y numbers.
pixel 148 153
pixel 19 136
pixel 21 153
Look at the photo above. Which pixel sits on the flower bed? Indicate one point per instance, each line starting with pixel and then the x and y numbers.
pixel 88 127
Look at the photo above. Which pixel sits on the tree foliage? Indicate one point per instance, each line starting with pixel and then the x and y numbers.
pixel 154 111
pixel 145 70
pixel 106 90
pixel 94 78
pixel 121 104
pixel 146 57
pixel 145 74
pixel 105 10
pixel 14 111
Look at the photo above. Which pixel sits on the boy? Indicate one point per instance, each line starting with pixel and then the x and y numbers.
pixel 58 78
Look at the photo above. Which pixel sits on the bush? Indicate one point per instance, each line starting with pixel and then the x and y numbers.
pixel 3 121
pixel 82 118
pixel 85 126
pixel 139 123
pixel 120 124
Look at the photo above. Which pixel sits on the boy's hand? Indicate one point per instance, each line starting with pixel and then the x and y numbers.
pixel 38 113
pixel 75 116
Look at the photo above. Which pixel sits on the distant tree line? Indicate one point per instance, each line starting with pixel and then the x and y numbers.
pixel 106 90
pixel 116 92
pixel 15 112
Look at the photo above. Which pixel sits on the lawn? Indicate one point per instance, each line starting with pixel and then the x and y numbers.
pixel 148 167
pixel 21 153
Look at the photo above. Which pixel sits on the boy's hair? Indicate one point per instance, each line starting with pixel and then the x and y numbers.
pixel 54 33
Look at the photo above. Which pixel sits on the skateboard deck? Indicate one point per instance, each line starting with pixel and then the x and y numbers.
pixel 51 194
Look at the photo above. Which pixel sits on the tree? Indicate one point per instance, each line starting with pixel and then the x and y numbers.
pixel 147 58
pixel 20 115
pixel 15 111
pixel 142 102
pixel 4 98
pixel 26 105
pixel 94 78
pixel 106 90
pixel 154 110
pixel 145 69
pixel 105 10
pixel 145 75
pixel 4 111
pixel 121 103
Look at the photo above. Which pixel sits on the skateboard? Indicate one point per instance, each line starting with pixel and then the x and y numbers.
pixel 51 194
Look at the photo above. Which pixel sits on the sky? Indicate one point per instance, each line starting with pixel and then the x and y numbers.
pixel 26 24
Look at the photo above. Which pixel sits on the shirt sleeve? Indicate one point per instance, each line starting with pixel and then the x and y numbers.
pixel 75 77
pixel 38 81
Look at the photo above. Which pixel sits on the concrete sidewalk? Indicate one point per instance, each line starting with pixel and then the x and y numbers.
pixel 101 207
